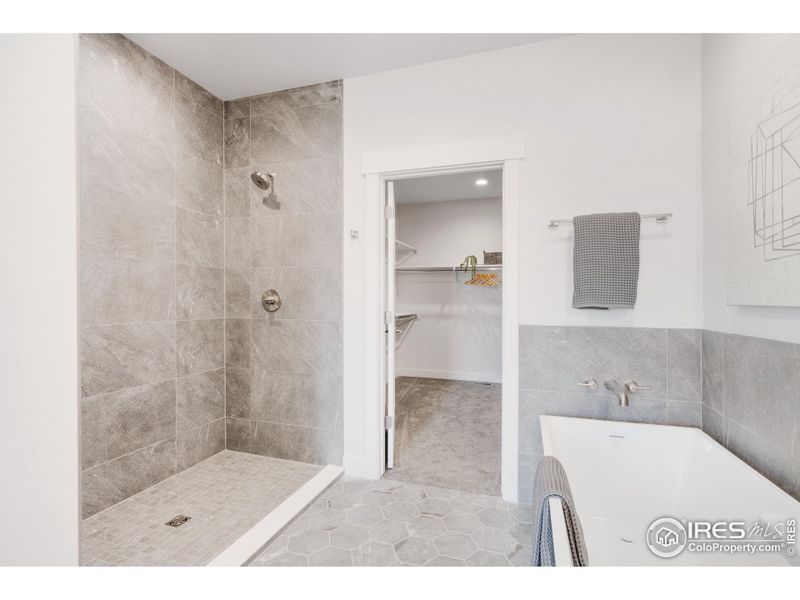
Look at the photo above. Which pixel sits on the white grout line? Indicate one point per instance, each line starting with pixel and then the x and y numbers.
pixel 250 543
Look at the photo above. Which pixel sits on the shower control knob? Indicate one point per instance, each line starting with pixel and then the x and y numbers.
pixel 271 300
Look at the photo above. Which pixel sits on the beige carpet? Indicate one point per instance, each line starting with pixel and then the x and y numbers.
pixel 448 434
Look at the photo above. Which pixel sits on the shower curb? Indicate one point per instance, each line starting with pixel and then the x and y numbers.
pixel 255 539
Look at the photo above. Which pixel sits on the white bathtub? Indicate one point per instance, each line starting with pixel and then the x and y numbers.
pixel 626 475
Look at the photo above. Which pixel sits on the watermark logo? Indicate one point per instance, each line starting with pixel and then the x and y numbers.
pixel 666 537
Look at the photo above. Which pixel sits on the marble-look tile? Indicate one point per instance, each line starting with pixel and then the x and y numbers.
pixel 557 358
pixel 200 292
pixel 128 355
pixel 301 133
pixel 304 444
pixel 713 424
pixel 127 135
pixel 237 108
pixel 116 47
pixel 238 435
pixel 320 93
pixel 300 347
pixel 113 481
pixel 200 345
pixel 120 422
pixel 237 343
pixel 122 226
pixel 237 192
pixel 121 291
pixel 333 525
pixel 684 360
pixel 197 94
pixel 237 243
pixel 200 400
pixel 762 388
pixel 297 240
pixel 297 399
pixel 714 369
pixel 776 464
pixel 237 393
pixel 198 132
pixel 200 443
pixel 744 344
pixel 534 403
pixel 308 293
pixel 198 184
pixel 237 293
pixel 301 187
pixel 684 414
pixel 237 142
pixel 199 239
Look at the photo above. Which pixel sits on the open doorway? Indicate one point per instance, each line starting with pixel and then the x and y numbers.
pixel 443 298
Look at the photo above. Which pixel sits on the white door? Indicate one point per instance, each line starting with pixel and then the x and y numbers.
pixel 390 322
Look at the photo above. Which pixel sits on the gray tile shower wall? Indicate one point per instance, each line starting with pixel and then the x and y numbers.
pixel 751 403
pixel 553 360
pixel 284 369
pixel 152 279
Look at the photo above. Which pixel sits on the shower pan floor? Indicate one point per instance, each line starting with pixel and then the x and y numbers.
pixel 224 496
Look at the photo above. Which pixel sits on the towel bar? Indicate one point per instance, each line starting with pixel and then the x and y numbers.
pixel 657 217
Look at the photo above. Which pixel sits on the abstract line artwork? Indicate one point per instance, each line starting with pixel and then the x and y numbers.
pixel 774 173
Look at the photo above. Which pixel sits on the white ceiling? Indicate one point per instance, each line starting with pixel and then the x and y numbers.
pixel 234 65
pixel 444 188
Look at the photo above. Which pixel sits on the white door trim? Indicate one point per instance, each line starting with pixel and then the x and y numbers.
pixel 377 167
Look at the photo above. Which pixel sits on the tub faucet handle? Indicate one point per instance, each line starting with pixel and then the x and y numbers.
pixel 634 387
pixel 589 383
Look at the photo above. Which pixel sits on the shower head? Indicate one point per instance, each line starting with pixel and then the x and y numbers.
pixel 264 182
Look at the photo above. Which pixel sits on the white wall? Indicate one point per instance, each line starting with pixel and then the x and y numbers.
pixel 728 63
pixel 610 122
pixel 447 232
pixel 458 333
pixel 39 512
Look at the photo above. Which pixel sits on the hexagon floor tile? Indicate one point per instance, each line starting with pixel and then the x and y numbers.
pixel 386 523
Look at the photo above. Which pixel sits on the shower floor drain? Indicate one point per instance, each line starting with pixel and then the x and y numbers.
pixel 177 521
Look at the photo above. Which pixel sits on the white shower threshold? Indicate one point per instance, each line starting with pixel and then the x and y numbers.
pixel 253 541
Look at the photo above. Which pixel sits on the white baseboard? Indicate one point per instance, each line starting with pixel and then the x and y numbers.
pixel 255 539
pixel 452 375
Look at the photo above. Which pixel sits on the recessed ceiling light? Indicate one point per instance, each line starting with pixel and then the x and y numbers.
pixel 481 181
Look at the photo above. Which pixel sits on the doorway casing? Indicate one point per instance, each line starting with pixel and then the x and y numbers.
pixel 379 167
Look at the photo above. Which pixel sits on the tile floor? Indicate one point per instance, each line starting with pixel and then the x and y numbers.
pixel 385 523
pixel 224 495
pixel 448 434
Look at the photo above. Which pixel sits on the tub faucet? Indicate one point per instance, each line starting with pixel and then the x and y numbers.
pixel 624 391
pixel 619 389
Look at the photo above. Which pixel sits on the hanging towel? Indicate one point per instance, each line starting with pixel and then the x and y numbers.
pixel 551 482
pixel 606 260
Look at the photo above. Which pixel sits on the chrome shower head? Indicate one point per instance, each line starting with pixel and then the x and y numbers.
pixel 264 182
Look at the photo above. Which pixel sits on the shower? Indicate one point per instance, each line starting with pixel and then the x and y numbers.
pixel 264 182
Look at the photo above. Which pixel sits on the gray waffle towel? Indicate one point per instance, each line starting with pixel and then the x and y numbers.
pixel 606 260
pixel 551 481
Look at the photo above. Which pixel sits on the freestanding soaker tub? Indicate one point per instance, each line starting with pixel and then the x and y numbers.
pixel 625 476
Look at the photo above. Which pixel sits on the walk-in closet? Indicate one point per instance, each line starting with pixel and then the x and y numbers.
pixel 444 292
